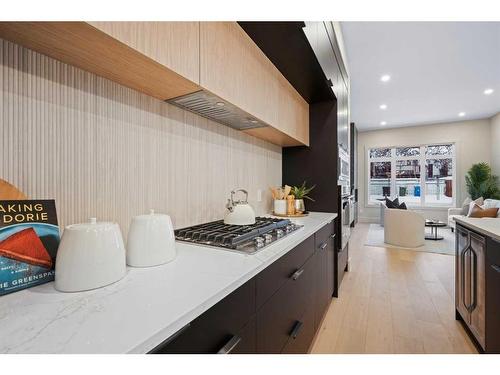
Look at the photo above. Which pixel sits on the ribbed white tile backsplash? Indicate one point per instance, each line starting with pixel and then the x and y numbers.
pixel 101 149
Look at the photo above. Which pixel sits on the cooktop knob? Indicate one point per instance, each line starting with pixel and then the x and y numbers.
pixel 268 237
pixel 279 233
pixel 259 241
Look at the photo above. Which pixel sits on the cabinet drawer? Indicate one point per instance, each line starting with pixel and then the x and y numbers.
pixel 212 331
pixel 325 235
pixel 245 342
pixel 302 334
pixel 278 273
pixel 277 319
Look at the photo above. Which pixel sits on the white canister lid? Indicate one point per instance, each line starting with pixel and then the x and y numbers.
pixel 92 225
pixel 151 215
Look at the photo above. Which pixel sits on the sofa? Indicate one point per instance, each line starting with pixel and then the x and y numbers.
pixel 404 228
pixel 462 212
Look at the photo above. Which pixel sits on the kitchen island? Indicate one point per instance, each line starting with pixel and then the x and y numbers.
pixel 142 310
pixel 477 280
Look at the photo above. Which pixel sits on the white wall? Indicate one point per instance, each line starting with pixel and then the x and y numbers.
pixel 103 150
pixel 472 142
pixel 495 144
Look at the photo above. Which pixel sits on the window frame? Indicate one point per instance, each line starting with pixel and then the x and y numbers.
pixel 422 158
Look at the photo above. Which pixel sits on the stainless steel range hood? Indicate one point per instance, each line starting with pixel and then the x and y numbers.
pixel 211 106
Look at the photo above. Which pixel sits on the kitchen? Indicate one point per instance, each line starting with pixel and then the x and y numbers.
pixel 210 121
pixel 197 185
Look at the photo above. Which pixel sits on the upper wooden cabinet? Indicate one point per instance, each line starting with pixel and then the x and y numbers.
pixel 89 48
pixel 234 68
pixel 175 45
pixel 167 60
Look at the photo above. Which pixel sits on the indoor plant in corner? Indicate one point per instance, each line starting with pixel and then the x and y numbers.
pixel 481 182
pixel 300 193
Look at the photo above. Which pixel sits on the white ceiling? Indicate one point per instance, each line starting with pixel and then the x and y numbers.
pixel 437 70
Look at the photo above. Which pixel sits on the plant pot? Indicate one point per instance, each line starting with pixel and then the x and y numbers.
pixel 299 206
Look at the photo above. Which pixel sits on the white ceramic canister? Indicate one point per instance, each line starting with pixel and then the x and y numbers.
pixel 151 240
pixel 280 206
pixel 91 255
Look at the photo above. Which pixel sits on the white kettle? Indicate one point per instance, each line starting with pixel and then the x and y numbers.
pixel 239 212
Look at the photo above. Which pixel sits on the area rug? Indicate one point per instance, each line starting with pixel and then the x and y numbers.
pixel 375 237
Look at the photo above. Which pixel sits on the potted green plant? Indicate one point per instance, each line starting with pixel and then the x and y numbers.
pixel 300 193
pixel 481 182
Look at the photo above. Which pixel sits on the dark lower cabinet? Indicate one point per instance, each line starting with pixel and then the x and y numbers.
pixel 340 267
pixel 325 268
pixel 278 311
pixel 270 280
pixel 477 287
pixel 302 333
pixel 280 318
pixel 212 331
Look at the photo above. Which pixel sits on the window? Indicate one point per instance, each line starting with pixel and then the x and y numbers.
pixel 380 180
pixel 418 175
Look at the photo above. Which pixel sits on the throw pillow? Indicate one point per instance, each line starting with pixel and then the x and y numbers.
pixel 402 206
pixel 392 204
pixel 490 203
pixel 478 211
pixel 466 206
pixel 479 201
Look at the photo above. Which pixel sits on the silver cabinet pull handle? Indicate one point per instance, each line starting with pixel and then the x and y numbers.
pixel 332 235
pixel 323 246
pixel 230 345
pixel 495 267
pixel 296 329
pixel 297 274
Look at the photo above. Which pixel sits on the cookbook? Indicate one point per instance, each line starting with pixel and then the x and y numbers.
pixel 29 238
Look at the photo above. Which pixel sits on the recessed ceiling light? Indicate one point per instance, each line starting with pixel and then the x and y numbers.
pixel 383 106
pixel 221 104
pixel 383 123
pixel 385 78
pixel 488 91
pixel 461 114
pixel 253 121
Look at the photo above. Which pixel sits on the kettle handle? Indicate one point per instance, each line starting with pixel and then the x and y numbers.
pixel 243 191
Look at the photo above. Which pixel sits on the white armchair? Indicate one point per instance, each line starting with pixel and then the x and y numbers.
pixel 452 214
pixel 403 228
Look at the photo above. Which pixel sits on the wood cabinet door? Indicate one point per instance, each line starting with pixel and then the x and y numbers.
pixel 233 67
pixel 478 284
pixel 175 45
pixel 492 296
pixel 322 290
pixel 330 271
pixel 225 325
pixel 302 333
pixel 270 280
pixel 280 317
pixel 462 265
pixel 324 258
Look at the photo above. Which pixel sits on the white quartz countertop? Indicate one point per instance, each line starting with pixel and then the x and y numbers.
pixel 143 309
pixel 486 225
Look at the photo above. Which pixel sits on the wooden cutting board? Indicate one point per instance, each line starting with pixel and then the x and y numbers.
pixel 10 192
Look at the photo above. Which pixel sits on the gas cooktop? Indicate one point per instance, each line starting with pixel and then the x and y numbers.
pixel 241 238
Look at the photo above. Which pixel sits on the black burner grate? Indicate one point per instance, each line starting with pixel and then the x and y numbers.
pixel 217 233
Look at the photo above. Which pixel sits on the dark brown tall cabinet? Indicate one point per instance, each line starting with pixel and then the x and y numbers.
pixel 477 287
pixel 295 48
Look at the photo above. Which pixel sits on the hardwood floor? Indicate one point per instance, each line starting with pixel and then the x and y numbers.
pixel 393 301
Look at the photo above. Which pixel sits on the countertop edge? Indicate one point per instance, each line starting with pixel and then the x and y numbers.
pixel 474 224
